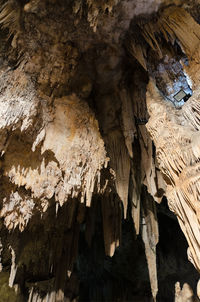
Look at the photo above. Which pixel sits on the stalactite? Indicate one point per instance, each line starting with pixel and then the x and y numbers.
pixel 182 25
pixel 46 179
pixel 75 137
pixel 147 161
pixel 178 161
pixel 134 195
pixel 95 9
pixel 111 212
pixel 198 289
pixel 173 23
pixel 129 128
pixel 13 270
pixel 150 237
pixel 10 18
pixel 90 221
pixel 138 51
pixel 184 294
pixel 120 163
pixel 174 133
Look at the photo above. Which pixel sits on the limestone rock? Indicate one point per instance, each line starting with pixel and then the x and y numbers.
pixel 92 144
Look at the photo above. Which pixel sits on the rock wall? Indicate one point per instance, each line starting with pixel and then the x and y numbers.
pixel 82 172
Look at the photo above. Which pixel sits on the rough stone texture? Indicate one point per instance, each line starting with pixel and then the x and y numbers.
pixel 80 170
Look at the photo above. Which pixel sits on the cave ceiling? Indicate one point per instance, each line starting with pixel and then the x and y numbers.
pixel 99 113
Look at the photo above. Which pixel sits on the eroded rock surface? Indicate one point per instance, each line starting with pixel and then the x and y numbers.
pixel 82 172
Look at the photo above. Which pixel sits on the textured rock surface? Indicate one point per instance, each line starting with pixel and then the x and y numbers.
pixel 84 179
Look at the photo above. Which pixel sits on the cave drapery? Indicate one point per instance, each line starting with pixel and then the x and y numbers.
pixel 94 145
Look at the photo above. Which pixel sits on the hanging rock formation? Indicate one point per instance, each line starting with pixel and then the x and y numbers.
pixel 92 145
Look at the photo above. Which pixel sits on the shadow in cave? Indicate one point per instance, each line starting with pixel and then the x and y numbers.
pixel 172 262
pixel 124 277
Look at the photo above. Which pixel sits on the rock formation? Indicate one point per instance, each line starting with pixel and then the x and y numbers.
pixel 95 141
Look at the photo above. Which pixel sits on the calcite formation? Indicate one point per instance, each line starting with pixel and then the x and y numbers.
pixel 93 143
